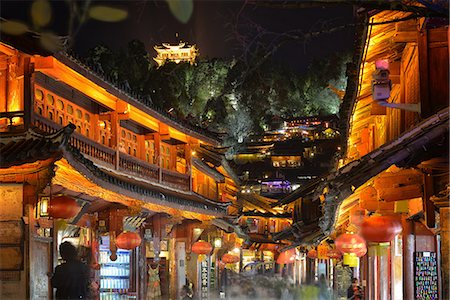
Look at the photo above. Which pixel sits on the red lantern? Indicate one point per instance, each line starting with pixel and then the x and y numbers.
pixel 312 254
pixel 230 259
pixel 380 229
pixel 286 257
pixel 63 207
pixel 202 247
pixel 128 240
pixel 334 253
pixel 350 243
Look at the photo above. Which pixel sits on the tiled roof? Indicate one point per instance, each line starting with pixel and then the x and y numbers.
pixel 30 146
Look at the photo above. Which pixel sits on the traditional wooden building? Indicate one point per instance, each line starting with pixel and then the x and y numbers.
pixel 66 130
pixel 395 160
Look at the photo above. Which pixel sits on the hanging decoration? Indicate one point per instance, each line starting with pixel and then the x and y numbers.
pixel 351 243
pixel 351 260
pixel 334 254
pixel 380 229
pixel 286 257
pixel 230 258
pixel 63 207
pixel 322 250
pixel 202 247
pixel 312 254
pixel 128 240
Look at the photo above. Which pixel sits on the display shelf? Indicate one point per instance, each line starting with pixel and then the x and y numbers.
pixel 115 276
pixel 114 264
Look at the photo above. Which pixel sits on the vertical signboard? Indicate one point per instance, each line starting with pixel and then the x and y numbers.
pixel 204 278
pixel 425 275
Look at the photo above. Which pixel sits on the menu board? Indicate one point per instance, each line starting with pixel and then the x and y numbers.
pixel 425 275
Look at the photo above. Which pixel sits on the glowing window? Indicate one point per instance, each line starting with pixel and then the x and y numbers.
pixel 60 120
pixel 69 109
pixel 167 150
pixel 50 115
pixel 123 133
pixel 79 114
pixel 50 99
pixel 87 132
pixel 39 110
pixel 134 138
pixel 38 95
pixel 87 117
pixel 128 136
pixel 147 144
pixel 59 104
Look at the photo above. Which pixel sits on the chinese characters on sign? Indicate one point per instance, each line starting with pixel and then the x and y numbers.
pixel 204 276
pixel 425 279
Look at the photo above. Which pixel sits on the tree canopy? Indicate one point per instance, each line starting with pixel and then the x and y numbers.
pixel 222 95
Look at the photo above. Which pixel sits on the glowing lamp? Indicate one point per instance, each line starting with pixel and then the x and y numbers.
pixel 380 229
pixel 286 257
pixel 230 259
pixel 351 260
pixel 63 207
pixel 312 254
pixel 128 240
pixel 351 243
pixel 334 254
pixel 202 247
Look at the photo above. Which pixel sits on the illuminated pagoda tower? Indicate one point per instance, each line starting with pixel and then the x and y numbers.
pixel 176 53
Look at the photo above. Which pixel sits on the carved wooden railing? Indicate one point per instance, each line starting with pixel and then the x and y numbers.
pixel 106 156
pixel 86 146
pixel 138 167
pixel 176 179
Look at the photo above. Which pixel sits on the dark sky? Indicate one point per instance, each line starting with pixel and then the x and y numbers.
pixel 210 27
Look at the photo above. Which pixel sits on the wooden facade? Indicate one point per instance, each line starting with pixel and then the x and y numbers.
pixel 65 129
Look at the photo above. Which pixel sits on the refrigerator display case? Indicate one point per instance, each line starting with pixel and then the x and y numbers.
pixel 114 275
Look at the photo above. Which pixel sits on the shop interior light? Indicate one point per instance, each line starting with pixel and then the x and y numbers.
pixel 42 207
pixel 236 250
pixel 218 242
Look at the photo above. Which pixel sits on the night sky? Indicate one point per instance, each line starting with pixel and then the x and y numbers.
pixel 210 27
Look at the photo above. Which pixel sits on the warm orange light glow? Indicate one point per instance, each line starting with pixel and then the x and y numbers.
pixel 70 178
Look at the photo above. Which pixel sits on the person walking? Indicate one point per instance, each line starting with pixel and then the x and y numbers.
pixel 354 292
pixel 71 278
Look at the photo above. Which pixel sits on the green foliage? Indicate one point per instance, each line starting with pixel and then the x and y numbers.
pixel 223 95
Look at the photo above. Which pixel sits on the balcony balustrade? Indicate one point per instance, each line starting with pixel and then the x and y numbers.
pixel 107 157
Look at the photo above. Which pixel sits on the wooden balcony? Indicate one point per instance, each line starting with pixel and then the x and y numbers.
pixel 107 157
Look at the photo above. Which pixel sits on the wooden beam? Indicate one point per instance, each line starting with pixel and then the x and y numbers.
pixel 428 206
pixel 401 178
pixel 424 75
pixel 400 193
pixel 405 37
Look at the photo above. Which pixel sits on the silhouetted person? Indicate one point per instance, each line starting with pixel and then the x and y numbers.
pixel 354 292
pixel 71 277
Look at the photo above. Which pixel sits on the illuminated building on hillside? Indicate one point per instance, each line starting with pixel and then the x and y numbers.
pixel 176 53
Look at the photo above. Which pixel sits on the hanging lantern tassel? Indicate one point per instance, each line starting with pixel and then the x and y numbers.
pixel 351 260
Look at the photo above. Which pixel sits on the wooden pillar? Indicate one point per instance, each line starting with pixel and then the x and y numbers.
pixel 444 213
pixel 157 139
pixel 173 274
pixel 428 205
pixel 408 258
pixel 115 136
pixel 372 273
pixel 27 92
pixel 384 278
pixel 422 42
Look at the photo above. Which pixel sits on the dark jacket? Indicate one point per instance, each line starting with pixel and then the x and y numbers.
pixel 71 280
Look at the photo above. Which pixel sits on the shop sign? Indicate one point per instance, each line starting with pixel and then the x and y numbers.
pixel 425 275
pixel 204 279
